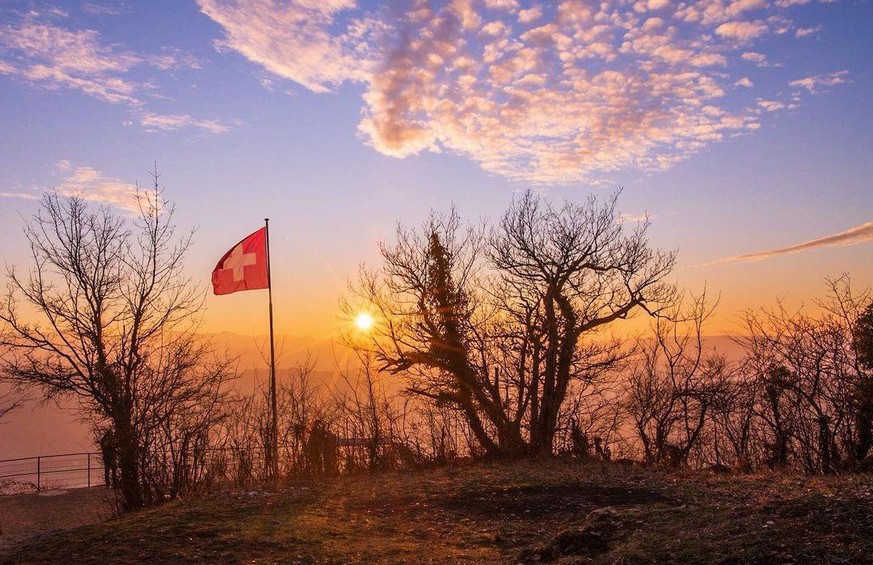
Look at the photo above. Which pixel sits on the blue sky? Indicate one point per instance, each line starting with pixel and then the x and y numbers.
pixel 741 128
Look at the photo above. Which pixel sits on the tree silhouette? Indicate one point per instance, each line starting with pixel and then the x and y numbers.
pixel 494 325
pixel 106 315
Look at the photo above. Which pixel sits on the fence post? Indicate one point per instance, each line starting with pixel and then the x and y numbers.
pixel 38 472
pixel 88 455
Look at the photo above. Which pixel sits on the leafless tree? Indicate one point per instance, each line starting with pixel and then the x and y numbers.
pixel 495 325
pixel 577 268
pixel 674 385
pixel 734 419
pixel 106 314
pixel 814 407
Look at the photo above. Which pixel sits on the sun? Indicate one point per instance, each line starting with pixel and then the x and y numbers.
pixel 364 321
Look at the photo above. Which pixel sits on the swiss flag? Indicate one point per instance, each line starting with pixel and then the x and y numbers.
pixel 244 267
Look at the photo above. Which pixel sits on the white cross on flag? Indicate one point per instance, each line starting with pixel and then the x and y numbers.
pixel 244 267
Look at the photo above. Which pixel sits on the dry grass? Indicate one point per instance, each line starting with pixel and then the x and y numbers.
pixel 490 514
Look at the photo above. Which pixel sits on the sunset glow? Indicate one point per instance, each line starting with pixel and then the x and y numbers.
pixel 364 321
pixel 386 281
pixel 739 129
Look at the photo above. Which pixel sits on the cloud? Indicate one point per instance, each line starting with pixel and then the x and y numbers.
pixel 510 5
pixel 758 58
pixel 771 105
pixel 292 40
pixel 805 31
pixel 21 195
pixel 530 15
pixel 99 9
pixel 742 31
pixel 633 218
pixel 814 83
pixel 557 92
pixel 90 184
pixel 152 122
pixel 715 12
pixel 87 183
pixel 853 236
pixel 52 57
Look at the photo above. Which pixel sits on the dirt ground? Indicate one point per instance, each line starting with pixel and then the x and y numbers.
pixel 530 512
pixel 24 516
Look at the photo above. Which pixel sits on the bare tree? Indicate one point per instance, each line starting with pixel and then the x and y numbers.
pixel 674 385
pixel 105 314
pixel 578 269
pixel 815 404
pixel 427 304
pixel 494 326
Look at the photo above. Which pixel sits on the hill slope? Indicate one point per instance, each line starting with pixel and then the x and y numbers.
pixel 558 511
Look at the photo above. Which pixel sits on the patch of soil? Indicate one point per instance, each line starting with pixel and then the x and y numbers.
pixel 534 502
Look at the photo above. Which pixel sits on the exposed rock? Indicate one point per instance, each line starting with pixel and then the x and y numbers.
pixel 593 538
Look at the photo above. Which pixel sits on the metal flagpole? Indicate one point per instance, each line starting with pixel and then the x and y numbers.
pixel 274 425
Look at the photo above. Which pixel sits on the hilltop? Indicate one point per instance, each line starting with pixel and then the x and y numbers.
pixel 558 511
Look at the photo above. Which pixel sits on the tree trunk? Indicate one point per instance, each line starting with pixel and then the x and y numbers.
pixel 127 458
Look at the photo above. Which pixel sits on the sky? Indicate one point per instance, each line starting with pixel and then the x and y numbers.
pixel 742 129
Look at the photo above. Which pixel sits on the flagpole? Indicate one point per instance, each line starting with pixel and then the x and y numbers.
pixel 274 422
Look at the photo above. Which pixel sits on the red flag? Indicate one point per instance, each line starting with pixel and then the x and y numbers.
pixel 244 267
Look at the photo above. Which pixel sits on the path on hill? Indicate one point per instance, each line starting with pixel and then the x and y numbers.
pixel 24 516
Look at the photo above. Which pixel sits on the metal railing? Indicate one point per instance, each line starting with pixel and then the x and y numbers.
pixel 46 472
pixel 86 469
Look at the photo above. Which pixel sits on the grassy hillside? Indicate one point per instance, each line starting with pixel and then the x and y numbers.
pixel 557 511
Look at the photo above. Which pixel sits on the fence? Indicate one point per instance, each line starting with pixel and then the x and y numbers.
pixel 223 464
pixel 46 472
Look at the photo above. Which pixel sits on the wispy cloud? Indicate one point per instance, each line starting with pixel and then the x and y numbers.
pixel 759 59
pixel 101 9
pixel 292 40
pixel 853 236
pixel 92 185
pixel 87 183
pixel 624 218
pixel 38 51
pixel 815 83
pixel 556 92
pixel 807 31
pixel 152 121
pixel 54 57
pixel 21 195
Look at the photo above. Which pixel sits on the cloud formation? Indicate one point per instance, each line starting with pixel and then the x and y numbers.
pixel 853 236
pixel 542 92
pixel 54 57
pixel 39 52
pixel 293 39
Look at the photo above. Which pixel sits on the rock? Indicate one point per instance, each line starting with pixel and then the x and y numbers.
pixel 593 538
